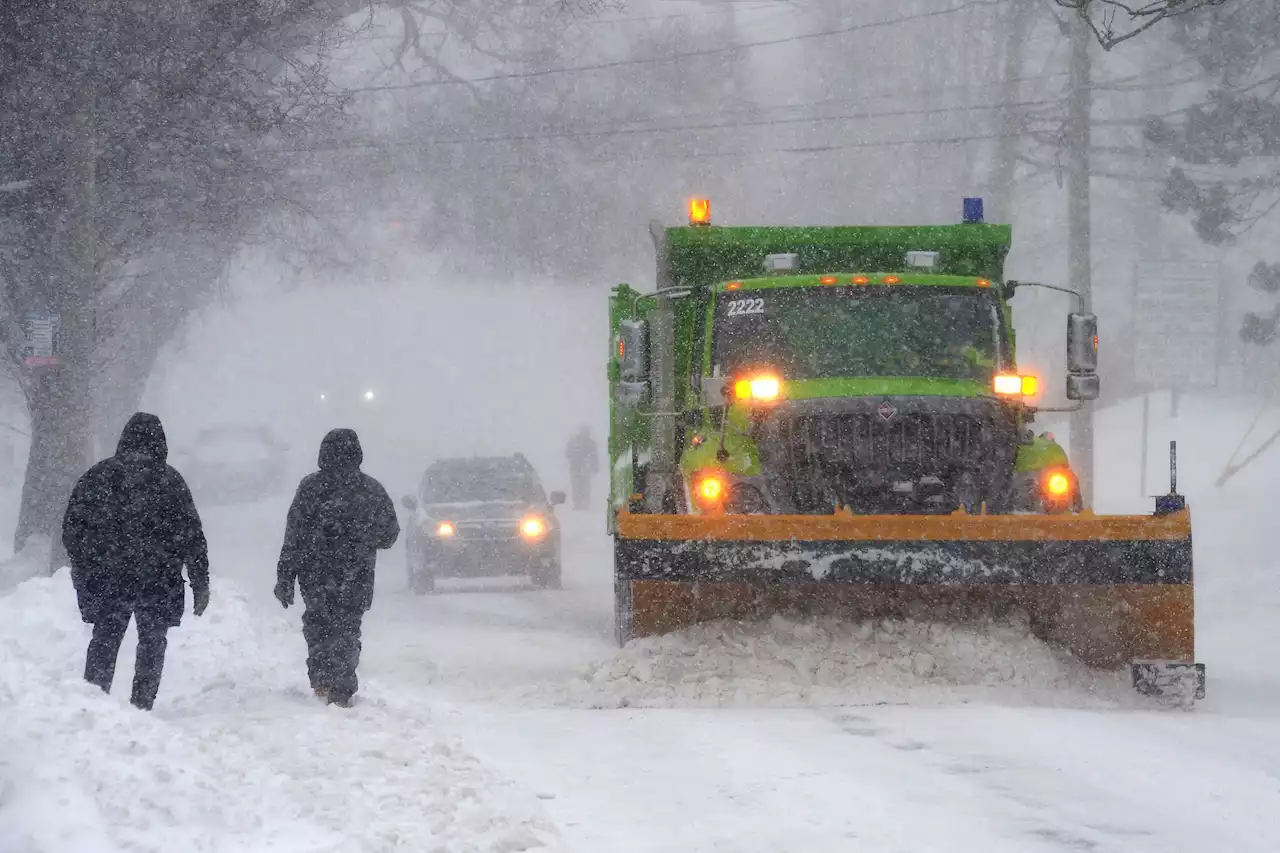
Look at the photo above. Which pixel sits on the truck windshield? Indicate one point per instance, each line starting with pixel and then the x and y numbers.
pixel 810 333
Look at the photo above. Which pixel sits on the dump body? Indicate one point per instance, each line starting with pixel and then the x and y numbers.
pixel 849 432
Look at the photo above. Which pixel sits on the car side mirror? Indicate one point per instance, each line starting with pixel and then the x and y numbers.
pixel 557 498
pixel 1082 357
pixel 409 502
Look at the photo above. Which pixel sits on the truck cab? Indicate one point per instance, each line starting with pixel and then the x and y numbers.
pixel 798 371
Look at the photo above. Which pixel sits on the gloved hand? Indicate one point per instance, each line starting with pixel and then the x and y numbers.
pixel 200 600
pixel 284 593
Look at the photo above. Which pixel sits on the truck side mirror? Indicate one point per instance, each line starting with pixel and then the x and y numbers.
pixel 633 363
pixel 409 502
pixel 556 498
pixel 1082 343
pixel 1083 387
pixel 632 394
pixel 1082 357
pixel 633 351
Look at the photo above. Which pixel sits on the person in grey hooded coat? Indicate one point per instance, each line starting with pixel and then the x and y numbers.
pixel 129 529
pixel 339 519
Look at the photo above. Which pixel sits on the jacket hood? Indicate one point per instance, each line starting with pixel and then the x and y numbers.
pixel 143 435
pixel 340 449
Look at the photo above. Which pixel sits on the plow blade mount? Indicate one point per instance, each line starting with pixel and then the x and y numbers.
pixel 1110 589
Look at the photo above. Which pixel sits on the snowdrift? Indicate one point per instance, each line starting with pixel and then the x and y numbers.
pixel 828 661
pixel 28 563
pixel 238 756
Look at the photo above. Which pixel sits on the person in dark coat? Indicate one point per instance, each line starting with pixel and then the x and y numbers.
pixel 339 519
pixel 130 527
pixel 584 462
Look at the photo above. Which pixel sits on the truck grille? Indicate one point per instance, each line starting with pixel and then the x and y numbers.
pixel 919 443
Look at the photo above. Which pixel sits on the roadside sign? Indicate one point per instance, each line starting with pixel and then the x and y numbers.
pixel 1176 328
pixel 40 344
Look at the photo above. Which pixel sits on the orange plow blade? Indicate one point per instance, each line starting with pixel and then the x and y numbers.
pixel 1112 590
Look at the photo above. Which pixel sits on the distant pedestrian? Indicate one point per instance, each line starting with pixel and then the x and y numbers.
pixel 339 519
pixel 584 463
pixel 130 527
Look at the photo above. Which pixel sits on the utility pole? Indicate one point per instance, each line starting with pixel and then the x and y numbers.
pixel 1079 139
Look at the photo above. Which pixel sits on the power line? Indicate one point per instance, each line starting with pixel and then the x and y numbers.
pixel 639 130
pixel 893 143
pixel 676 57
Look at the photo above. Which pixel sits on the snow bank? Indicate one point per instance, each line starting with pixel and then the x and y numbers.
pixel 828 661
pixel 28 563
pixel 238 756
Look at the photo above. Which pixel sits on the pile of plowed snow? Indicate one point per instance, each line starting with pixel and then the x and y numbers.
pixel 237 755
pixel 829 661
pixel 30 562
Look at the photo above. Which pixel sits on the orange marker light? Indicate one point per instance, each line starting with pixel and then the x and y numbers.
pixel 622 348
pixel 1095 343
pixel 890 279
pixel 1057 484
pixel 861 279
pixel 1029 386
pixel 733 285
pixel 445 529
pixel 982 282
pixel 828 279
pixel 699 211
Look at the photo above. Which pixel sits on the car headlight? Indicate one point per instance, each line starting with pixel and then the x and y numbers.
pixel 533 528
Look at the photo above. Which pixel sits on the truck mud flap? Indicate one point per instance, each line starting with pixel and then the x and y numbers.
pixel 1110 589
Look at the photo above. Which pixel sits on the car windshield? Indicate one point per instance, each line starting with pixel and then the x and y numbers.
pixel 479 481
pixel 811 333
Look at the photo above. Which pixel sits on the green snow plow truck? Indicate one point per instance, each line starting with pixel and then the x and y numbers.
pixel 832 419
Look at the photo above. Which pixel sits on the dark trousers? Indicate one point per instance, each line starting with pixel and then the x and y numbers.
pixel 333 649
pixel 580 486
pixel 100 662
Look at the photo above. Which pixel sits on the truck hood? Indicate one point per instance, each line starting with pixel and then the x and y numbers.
pixel 882 386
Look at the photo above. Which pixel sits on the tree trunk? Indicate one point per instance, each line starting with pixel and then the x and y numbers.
pixel 59 400
pixel 57 404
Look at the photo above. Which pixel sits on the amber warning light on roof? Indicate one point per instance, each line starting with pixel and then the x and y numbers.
pixel 699 211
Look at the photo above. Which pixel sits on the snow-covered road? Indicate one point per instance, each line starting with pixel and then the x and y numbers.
pixel 494 717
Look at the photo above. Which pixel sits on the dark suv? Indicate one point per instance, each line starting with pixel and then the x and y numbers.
pixel 482 517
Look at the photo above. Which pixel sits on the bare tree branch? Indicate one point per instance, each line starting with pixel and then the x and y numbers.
pixel 1101 16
